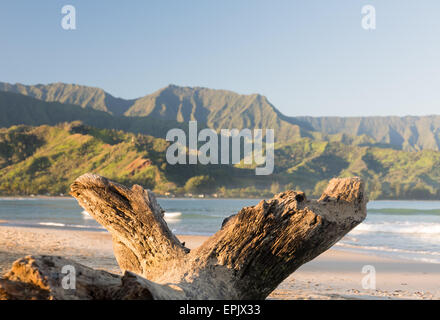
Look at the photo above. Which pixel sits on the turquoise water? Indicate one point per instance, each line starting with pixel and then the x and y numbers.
pixel 403 229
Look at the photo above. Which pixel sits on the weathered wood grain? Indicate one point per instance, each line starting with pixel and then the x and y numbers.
pixel 252 253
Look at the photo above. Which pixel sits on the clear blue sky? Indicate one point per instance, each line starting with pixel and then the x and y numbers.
pixel 308 57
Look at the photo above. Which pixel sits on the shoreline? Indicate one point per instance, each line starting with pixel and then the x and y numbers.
pixel 44 197
pixel 336 247
pixel 335 274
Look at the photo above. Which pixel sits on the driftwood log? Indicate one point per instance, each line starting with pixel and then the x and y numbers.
pixel 252 253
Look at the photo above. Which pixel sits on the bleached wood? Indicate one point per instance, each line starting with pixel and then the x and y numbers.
pixel 253 252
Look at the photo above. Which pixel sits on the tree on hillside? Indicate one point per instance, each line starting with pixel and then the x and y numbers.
pixel 200 185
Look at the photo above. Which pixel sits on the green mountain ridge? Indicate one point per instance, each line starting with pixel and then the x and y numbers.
pixel 17 109
pixel 218 109
pixel 409 132
pixel 43 147
pixel 86 97
pixel 222 109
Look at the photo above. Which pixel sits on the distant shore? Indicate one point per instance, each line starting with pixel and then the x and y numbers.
pixel 158 196
pixel 333 275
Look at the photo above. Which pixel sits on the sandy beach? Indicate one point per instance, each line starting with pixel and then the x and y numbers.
pixel 335 274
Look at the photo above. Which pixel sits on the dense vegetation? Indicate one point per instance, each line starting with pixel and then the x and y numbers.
pixel 46 159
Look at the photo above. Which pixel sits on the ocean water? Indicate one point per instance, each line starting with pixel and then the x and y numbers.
pixel 399 229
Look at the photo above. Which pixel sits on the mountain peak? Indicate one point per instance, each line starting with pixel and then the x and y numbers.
pixel 223 109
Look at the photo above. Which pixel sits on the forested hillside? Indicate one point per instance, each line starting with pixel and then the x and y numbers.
pixel 46 159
